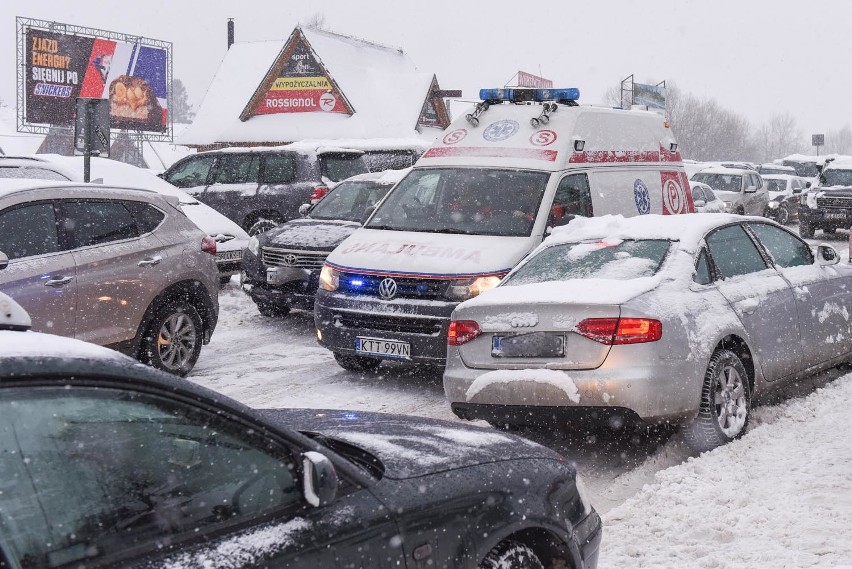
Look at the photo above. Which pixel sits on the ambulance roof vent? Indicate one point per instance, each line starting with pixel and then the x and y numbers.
pixel 521 95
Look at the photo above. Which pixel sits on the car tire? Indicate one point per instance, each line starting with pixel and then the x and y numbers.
pixel 356 363
pixel 740 211
pixel 725 404
pixel 511 555
pixel 806 230
pixel 173 339
pixel 783 214
pixel 262 226
pixel 272 310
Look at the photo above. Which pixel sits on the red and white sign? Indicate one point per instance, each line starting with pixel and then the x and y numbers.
pixel 327 101
pixel 675 197
pixel 301 101
pixel 543 138
pixel 529 80
pixel 454 136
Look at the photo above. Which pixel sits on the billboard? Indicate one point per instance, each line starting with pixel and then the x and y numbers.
pixel 529 80
pixel 302 86
pixel 652 96
pixel 63 62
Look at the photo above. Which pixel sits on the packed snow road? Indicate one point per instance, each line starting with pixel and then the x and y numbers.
pixel 276 362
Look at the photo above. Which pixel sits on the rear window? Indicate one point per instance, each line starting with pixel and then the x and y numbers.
pixel 593 260
pixel 337 167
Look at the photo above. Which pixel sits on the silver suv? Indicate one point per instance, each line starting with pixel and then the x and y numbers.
pixel 117 267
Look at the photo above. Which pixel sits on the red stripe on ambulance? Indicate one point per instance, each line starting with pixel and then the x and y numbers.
pixel 481 152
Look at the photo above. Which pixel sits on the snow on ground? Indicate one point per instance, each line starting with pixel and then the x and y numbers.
pixel 779 497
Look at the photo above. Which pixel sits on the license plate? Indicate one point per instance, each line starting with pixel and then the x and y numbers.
pixel 532 345
pixel 835 215
pixel 271 276
pixel 382 347
pixel 229 255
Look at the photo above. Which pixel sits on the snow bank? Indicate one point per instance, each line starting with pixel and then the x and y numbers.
pixel 553 377
pixel 779 497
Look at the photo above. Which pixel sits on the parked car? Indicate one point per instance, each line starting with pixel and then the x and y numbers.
pixel 828 204
pixel 704 199
pixel 742 189
pixel 118 267
pixel 650 319
pixel 282 266
pixel 109 463
pixel 260 188
pixel 230 237
pixel 770 169
pixel 784 191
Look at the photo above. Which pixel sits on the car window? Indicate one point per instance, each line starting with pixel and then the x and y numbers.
pixel 97 222
pixel 279 169
pixel 702 269
pixel 733 252
pixel 572 197
pixel 89 473
pixel 786 249
pixel 337 167
pixel 720 182
pixel 697 194
pixel 709 195
pixel 191 173
pixel 147 216
pixel 31 173
pixel 28 230
pixel 620 261
pixel 379 161
pixel 237 169
pixel 836 177
pixel 348 200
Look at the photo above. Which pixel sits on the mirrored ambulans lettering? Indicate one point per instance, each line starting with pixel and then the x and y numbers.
pixel 675 197
pixel 413 250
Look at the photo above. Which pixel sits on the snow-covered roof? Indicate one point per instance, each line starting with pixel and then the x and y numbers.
pixel 729 171
pixel 385 177
pixel 383 86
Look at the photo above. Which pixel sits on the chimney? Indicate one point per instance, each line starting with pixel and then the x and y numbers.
pixel 230 32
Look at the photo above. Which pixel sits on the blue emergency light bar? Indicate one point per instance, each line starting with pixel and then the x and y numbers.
pixel 519 95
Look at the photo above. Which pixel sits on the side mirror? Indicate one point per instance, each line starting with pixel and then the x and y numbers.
pixel 826 255
pixel 751 189
pixel 4 260
pixel 808 184
pixel 699 203
pixel 304 209
pixel 319 479
pixel 368 211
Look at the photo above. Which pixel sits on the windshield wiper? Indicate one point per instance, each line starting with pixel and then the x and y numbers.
pixel 388 227
pixel 452 230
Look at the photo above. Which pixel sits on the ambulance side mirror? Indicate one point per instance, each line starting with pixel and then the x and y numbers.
pixel 699 203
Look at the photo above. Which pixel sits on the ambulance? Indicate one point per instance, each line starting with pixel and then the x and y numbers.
pixel 490 189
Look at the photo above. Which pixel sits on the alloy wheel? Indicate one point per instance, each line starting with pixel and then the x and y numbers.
pixel 176 341
pixel 730 401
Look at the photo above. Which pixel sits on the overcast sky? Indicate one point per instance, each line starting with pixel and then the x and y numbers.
pixel 755 57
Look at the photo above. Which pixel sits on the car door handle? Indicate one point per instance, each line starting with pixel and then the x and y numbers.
pixel 150 261
pixel 748 306
pixel 57 282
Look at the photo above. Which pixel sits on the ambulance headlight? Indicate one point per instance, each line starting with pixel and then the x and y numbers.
pixel 254 246
pixel 468 288
pixel 329 279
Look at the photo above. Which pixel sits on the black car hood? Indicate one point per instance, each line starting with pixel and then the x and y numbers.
pixel 410 446
pixel 310 234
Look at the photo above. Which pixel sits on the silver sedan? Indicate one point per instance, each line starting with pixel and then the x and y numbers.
pixel 681 319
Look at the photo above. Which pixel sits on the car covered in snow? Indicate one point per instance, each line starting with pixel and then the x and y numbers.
pixel 282 266
pixel 109 463
pixel 651 319
pixel 741 189
pixel 827 205
pixel 260 188
pixel 229 237
pixel 784 195
pixel 704 199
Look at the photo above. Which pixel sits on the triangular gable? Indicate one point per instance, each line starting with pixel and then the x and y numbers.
pixel 297 82
pixel 434 111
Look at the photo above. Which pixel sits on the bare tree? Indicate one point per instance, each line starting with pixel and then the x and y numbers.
pixel 317 21
pixel 839 141
pixel 779 136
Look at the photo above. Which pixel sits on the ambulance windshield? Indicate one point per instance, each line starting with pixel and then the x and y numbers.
pixel 474 201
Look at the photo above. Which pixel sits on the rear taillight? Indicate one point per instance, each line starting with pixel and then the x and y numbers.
pixel 208 245
pixel 318 193
pixel 615 331
pixel 462 332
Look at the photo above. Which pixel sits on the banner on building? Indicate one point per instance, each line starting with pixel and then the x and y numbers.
pixel 529 80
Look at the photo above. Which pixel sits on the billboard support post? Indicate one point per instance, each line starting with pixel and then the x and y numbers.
pixel 87 149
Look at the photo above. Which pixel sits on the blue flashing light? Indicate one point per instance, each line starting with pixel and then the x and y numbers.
pixel 356 283
pixel 520 94
pixel 571 94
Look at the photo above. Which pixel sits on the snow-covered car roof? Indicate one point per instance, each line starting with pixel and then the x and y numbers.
pixel 693 184
pixel 775 166
pixel 724 170
pixel 785 177
pixel 306 148
pixel 386 177
pixel 16 185
pixel 840 163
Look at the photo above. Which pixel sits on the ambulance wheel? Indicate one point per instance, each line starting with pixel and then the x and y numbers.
pixel 356 363
pixel 783 214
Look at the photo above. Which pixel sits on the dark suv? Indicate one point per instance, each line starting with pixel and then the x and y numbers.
pixel 828 205
pixel 260 188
